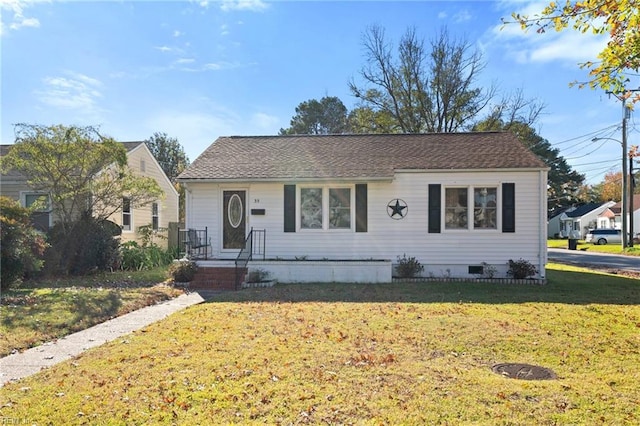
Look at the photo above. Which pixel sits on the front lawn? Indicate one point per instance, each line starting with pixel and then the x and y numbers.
pixel 41 311
pixel 417 353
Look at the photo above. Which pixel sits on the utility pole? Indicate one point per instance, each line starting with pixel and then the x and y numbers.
pixel 624 175
pixel 624 201
pixel 633 152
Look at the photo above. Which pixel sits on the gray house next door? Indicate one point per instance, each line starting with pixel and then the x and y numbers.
pixel 234 227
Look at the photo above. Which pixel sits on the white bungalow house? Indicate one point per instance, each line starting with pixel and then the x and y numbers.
pixel 347 207
pixel 611 217
pixel 577 220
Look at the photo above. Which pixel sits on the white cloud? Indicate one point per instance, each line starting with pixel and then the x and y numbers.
pixel 264 122
pixel 14 11
pixel 177 33
pixel 72 91
pixel 245 5
pixel 224 30
pixel 462 16
pixel 529 46
pixel 570 46
pixel 442 15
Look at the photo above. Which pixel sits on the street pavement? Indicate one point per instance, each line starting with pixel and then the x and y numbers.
pixel 600 260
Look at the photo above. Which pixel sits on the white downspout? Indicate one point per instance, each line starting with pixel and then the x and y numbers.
pixel 542 233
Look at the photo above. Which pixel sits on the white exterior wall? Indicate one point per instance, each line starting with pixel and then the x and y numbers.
pixel 167 205
pixel 448 253
pixel 590 220
pixel 553 227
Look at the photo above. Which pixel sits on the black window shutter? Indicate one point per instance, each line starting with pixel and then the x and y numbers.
pixel 434 208
pixel 508 207
pixel 361 207
pixel 289 208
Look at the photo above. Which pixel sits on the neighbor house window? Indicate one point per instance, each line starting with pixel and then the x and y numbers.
pixel 126 214
pixel 154 216
pixel 37 202
pixel 485 208
pixel 455 210
pixel 311 208
pixel 143 165
pixel 40 206
pixel 340 208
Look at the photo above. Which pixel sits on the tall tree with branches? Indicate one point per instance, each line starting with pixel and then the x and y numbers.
pixel 173 160
pixel 323 117
pixel 421 91
pixel 168 153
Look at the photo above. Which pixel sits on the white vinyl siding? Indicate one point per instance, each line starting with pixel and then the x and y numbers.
pixel 387 238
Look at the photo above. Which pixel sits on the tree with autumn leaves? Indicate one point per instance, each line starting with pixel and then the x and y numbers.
pixel 620 19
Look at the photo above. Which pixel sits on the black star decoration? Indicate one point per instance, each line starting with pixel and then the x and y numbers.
pixel 397 208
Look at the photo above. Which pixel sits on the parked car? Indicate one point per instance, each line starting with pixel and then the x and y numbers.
pixel 604 236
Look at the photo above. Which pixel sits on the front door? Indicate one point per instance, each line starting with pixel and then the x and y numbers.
pixel 234 227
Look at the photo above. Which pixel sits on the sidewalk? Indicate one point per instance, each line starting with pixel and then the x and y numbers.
pixel 31 361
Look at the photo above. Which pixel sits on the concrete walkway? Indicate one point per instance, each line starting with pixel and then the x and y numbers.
pixel 31 361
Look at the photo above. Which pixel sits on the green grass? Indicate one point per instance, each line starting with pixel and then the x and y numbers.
pixel 45 310
pixel 608 248
pixel 416 353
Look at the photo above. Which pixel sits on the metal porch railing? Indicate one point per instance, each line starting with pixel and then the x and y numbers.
pixel 254 244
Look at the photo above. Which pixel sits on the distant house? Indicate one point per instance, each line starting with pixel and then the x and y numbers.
pixel 460 203
pixel 579 219
pixel 140 161
pixel 612 216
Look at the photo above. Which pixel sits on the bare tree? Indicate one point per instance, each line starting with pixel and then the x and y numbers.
pixel 423 92
pixel 512 109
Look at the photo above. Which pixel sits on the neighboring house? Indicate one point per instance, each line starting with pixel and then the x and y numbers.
pixel 579 219
pixel 457 202
pixel 141 161
pixel 612 216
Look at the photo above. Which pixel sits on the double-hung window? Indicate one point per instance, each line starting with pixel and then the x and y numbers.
pixel 471 208
pixel 339 208
pixel 126 214
pixel 456 208
pixel 40 206
pixel 325 207
pixel 485 208
pixel 154 216
pixel 311 208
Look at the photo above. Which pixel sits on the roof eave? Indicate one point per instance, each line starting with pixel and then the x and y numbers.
pixel 489 170
pixel 288 179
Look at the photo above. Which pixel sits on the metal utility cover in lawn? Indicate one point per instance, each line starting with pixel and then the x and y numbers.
pixel 524 371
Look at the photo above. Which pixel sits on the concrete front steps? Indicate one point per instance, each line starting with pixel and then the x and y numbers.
pixel 217 278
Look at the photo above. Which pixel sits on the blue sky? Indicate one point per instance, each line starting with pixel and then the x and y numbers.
pixel 202 69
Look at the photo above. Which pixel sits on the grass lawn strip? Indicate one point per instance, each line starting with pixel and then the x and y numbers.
pixel 32 316
pixel 415 354
pixel 595 248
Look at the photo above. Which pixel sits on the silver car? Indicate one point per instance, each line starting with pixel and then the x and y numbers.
pixel 604 236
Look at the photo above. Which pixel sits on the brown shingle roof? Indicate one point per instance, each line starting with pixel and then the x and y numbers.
pixel 356 156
